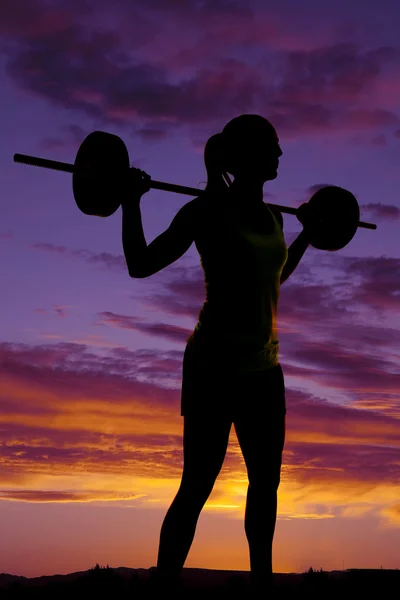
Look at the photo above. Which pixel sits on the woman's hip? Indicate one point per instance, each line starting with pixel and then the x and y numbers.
pixel 215 384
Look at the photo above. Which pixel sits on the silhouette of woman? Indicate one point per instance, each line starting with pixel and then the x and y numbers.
pixel 231 372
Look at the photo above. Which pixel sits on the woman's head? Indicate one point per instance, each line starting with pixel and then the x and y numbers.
pixel 248 148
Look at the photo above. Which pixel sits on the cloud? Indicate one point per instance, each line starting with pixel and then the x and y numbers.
pixel 162 330
pixel 320 324
pixel 367 286
pixel 380 140
pixel 76 414
pixel 98 62
pixel 74 422
pixel 338 73
pixel 392 513
pixel 383 211
pixel 43 381
pixel 105 259
pixel 39 496
pixel 60 311
pixel 376 210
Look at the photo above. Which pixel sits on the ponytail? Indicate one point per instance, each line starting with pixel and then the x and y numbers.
pixel 217 179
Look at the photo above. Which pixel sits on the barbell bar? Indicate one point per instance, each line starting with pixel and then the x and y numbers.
pixel 155 185
pixel 98 180
pixel 68 168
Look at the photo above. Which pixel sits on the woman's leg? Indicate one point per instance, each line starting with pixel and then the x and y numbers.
pixel 260 429
pixel 205 440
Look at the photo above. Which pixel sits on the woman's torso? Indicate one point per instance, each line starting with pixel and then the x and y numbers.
pixel 242 253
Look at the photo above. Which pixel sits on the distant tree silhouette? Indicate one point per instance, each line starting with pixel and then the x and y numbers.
pixel 104 577
pixel 315 579
pixel 98 567
pixel 311 570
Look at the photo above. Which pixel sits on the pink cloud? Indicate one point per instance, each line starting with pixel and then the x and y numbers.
pixel 163 330
pixel 60 311
pixel 51 496
pixel 24 19
pixel 383 211
pixel 367 285
pixel 91 70
pixel 326 442
pixel 379 140
pixel 110 261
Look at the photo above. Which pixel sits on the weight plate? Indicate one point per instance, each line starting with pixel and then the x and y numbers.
pixel 101 163
pixel 339 215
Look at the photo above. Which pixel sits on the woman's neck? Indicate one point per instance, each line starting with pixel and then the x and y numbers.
pixel 247 193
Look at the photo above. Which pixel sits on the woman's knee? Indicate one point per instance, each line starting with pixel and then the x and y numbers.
pixel 265 482
pixel 196 489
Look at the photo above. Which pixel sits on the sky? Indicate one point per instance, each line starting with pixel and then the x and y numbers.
pixel 91 360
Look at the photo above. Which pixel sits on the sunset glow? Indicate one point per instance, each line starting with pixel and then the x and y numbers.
pixel 91 359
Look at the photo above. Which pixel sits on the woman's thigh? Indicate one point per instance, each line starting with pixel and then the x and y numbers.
pixel 260 424
pixel 205 441
pixel 205 384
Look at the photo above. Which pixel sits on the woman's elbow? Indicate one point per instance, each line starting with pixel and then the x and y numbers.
pixel 136 275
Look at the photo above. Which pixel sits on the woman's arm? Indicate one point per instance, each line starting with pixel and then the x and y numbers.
pixel 312 221
pixel 144 260
pixel 133 240
pixel 295 253
pixel 137 183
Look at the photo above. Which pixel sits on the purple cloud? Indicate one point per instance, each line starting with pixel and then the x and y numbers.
pixel 326 442
pixel 104 68
pixel 163 330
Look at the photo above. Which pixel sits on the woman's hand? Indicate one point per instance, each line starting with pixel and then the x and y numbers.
pixel 135 184
pixel 309 218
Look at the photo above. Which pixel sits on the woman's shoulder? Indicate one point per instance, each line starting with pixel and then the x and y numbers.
pixel 277 214
pixel 211 201
pixel 210 214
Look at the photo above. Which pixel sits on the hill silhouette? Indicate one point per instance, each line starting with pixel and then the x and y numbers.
pixel 123 582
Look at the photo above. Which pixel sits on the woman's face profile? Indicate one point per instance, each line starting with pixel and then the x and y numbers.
pixel 257 156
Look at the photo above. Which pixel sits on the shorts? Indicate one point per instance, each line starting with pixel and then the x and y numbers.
pixel 211 384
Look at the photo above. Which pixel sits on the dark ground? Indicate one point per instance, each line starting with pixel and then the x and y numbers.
pixel 121 583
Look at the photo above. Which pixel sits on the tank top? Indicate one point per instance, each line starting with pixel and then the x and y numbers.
pixel 237 324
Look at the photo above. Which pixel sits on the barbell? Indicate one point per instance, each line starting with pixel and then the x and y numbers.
pixel 98 180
